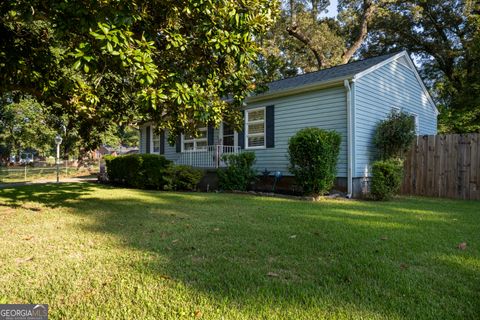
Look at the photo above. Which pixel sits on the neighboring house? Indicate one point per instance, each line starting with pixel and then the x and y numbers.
pixel 106 150
pixel 350 99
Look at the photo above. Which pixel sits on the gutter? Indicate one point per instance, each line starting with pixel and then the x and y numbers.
pixel 295 90
pixel 346 83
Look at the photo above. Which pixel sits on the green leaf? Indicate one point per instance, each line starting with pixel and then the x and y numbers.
pixel 86 68
pixel 77 64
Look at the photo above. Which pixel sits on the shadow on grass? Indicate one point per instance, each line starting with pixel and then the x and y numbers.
pixel 389 258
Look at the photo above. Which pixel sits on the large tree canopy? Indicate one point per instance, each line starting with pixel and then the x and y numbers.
pixel 104 62
pixel 444 37
pixel 304 39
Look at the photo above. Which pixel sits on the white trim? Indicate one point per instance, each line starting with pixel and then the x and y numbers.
pixel 379 65
pixel 142 135
pixel 151 139
pixel 396 108
pixel 220 134
pixel 194 140
pixel 412 69
pixel 256 134
pixel 159 143
pixel 349 139
pixel 299 89
pixel 416 119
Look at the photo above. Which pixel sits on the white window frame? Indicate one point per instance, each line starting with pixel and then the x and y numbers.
pixel 195 140
pixel 256 134
pixel 156 137
pixel 397 109
pixel 235 135
pixel 417 123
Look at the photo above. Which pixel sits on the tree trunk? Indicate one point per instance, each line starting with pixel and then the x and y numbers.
pixel 368 10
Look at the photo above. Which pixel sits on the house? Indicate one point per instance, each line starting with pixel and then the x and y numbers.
pixel 350 99
pixel 106 150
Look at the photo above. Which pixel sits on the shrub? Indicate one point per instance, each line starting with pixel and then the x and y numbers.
pixel 183 178
pixel 239 174
pixel 313 157
pixel 144 171
pixel 386 179
pixel 394 135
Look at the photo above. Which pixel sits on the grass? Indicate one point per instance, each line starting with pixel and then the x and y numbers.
pixel 94 252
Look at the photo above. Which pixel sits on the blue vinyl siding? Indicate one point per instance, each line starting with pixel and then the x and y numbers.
pixel 375 94
pixel 324 109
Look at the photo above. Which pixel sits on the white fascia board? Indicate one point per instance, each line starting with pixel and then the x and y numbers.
pixel 412 67
pixel 300 89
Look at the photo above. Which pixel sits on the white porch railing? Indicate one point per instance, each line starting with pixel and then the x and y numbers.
pixel 211 157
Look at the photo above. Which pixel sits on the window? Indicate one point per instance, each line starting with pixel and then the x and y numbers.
pixel 228 134
pixel 192 144
pixel 156 143
pixel 255 128
pixel 417 126
pixel 396 109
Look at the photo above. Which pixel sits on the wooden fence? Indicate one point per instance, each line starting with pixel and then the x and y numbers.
pixel 446 166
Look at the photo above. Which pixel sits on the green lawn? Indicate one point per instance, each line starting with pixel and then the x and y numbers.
pixel 98 252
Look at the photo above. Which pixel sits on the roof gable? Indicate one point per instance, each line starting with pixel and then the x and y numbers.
pixel 403 58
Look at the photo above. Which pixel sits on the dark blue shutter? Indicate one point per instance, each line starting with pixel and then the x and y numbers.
pixel 210 135
pixel 241 133
pixel 178 144
pixel 270 126
pixel 148 137
pixel 162 142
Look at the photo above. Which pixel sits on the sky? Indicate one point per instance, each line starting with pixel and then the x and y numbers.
pixel 332 9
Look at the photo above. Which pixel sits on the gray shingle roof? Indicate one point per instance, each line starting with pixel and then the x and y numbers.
pixel 345 70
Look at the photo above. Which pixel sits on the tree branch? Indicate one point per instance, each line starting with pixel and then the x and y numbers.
pixel 368 9
pixel 35 93
pixel 292 30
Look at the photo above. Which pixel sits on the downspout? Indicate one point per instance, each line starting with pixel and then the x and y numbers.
pixel 349 140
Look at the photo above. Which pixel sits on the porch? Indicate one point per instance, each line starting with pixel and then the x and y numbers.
pixel 207 157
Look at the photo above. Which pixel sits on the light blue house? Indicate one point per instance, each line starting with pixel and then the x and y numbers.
pixel 349 99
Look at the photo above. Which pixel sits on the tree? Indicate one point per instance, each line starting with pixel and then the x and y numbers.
pixel 24 126
pixel 394 135
pixel 304 40
pixel 443 36
pixel 117 136
pixel 125 61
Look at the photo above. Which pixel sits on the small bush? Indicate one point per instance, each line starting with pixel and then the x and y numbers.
pixel 386 179
pixel 313 157
pixel 144 171
pixel 394 135
pixel 183 178
pixel 239 174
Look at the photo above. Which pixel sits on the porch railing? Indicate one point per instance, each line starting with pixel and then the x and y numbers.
pixel 210 157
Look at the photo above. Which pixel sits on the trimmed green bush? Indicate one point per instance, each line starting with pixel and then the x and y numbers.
pixel 394 135
pixel 313 154
pixel 183 178
pixel 386 179
pixel 239 174
pixel 144 171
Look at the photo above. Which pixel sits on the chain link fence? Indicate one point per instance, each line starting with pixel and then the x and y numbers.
pixel 48 172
